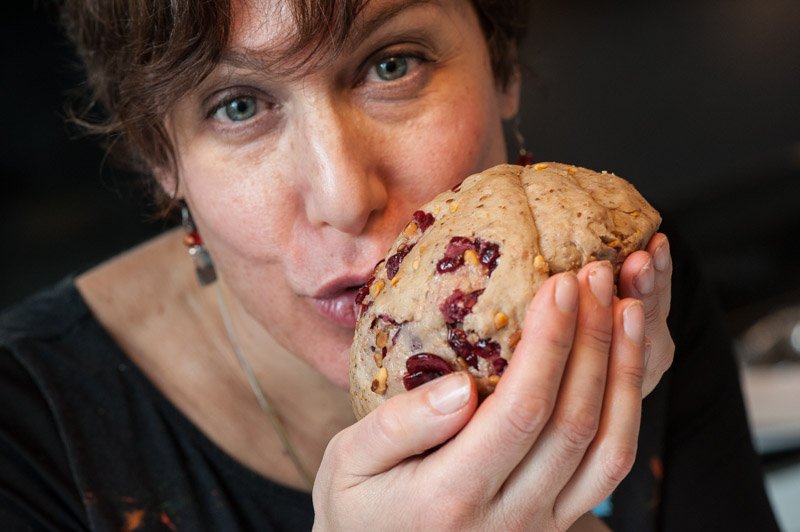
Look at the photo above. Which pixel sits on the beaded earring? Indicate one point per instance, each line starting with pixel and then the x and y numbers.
pixel 525 158
pixel 203 265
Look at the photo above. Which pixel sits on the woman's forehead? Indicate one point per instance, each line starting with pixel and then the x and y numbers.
pixel 281 30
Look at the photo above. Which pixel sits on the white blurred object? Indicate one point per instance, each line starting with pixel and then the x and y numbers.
pixel 772 397
pixel 783 489
pixel 770 354
pixel 772 339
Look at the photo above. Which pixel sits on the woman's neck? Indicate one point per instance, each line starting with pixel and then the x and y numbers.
pixel 172 329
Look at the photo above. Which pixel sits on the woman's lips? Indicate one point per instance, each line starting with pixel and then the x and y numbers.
pixel 338 307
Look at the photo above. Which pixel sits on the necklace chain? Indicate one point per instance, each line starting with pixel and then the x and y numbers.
pixel 263 401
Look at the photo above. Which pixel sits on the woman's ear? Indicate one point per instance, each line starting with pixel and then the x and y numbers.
pixel 166 176
pixel 166 172
pixel 508 96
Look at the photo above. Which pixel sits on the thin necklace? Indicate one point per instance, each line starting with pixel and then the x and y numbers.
pixel 263 402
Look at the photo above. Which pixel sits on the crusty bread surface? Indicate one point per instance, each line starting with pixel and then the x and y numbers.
pixel 452 292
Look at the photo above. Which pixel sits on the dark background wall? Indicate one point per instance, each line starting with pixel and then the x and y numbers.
pixel 696 102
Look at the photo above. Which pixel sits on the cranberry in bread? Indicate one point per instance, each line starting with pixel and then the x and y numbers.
pixel 451 293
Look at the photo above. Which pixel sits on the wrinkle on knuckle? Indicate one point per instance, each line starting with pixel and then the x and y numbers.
pixel 576 428
pixel 632 375
pixel 652 312
pixel 596 338
pixel 617 462
pixel 527 414
pixel 663 293
pixel 558 342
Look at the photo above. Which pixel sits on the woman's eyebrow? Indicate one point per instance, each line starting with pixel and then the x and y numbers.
pixel 262 61
pixel 365 28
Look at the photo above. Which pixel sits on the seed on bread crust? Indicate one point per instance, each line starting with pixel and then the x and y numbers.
pixel 540 265
pixel 411 229
pixel 381 339
pixel 376 288
pixel 379 383
pixel 471 257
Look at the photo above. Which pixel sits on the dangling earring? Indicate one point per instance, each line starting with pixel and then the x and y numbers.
pixel 203 266
pixel 524 158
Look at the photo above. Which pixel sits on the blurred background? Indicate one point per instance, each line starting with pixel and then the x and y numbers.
pixel 696 102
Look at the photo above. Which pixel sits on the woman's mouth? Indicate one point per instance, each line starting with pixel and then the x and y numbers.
pixel 338 306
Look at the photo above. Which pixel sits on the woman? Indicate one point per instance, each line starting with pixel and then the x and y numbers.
pixel 300 139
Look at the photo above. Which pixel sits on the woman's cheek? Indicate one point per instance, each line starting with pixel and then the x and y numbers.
pixel 454 141
pixel 240 202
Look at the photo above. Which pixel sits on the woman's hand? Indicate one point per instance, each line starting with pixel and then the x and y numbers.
pixel 555 438
pixel 647 275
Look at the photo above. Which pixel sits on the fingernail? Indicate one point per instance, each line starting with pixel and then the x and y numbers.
pixel 449 393
pixel 645 281
pixel 600 282
pixel 633 322
pixel 567 292
pixel 648 346
pixel 661 257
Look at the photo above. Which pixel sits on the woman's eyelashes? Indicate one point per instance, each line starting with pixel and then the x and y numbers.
pixel 240 114
pixel 238 109
pixel 391 68
pixel 398 74
pixel 239 106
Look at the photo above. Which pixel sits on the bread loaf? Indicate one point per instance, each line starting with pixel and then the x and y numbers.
pixel 452 292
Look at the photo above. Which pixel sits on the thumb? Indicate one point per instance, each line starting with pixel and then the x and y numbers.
pixel 410 423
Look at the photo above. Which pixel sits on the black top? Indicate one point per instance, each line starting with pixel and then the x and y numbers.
pixel 87 441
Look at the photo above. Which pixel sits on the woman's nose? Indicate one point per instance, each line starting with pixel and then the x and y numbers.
pixel 344 186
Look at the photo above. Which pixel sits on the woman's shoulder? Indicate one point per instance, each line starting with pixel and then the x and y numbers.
pixel 116 289
pixel 45 314
pixel 129 282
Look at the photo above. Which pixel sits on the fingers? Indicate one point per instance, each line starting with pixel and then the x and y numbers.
pixel 646 275
pixel 554 439
pixel 576 416
pixel 406 425
pixel 611 455
pixel 510 420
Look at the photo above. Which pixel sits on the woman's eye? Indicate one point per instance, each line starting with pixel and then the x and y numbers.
pixel 237 110
pixel 392 68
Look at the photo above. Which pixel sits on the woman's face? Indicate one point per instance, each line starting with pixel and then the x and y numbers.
pixel 299 181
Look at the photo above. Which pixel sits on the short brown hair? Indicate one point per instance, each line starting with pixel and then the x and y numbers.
pixel 140 55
